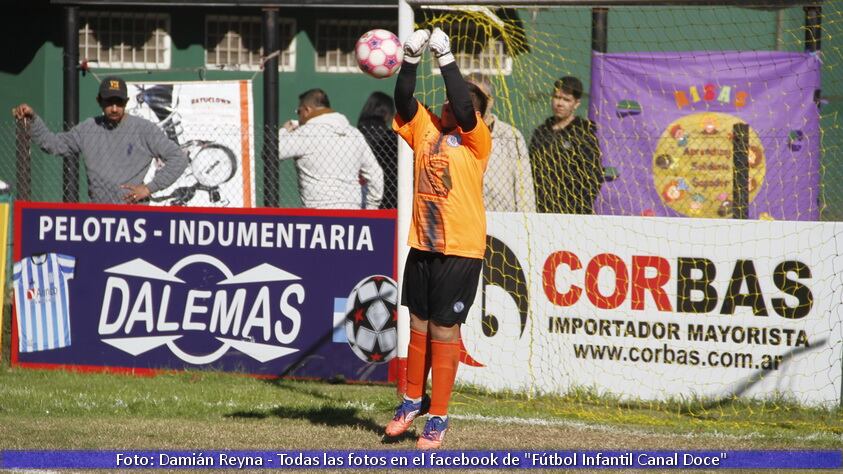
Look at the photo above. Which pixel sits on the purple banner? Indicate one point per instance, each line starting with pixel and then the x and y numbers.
pixel 665 122
pixel 266 292
pixel 392 460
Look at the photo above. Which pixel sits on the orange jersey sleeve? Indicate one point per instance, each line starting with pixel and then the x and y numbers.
pixel 479 140
pixel 410 131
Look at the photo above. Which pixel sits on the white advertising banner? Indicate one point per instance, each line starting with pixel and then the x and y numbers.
pixel 212 123
pixel 657 308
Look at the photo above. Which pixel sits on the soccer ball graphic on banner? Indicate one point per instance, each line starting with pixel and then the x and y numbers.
pixel 371 319
pixel 379 53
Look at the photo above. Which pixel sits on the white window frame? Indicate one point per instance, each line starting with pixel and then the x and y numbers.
pixel 484 63
pixel 468 63
pixel 286 60
pixel 116 25
pixel 350 65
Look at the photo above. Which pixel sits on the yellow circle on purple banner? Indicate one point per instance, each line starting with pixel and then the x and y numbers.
pixel 693 164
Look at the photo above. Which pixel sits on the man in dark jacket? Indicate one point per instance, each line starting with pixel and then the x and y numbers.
pixel 564 155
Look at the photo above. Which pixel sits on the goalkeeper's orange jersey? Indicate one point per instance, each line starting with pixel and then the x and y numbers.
pixel 448 212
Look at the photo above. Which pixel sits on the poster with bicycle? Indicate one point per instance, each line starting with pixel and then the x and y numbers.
pixel 212 122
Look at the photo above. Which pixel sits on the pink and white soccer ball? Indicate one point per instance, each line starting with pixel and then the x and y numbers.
pixel 379 53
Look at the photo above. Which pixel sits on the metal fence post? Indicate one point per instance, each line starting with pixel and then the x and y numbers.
pixel 740 173
pixel 270 107
pixel 23 169
pixel 70 171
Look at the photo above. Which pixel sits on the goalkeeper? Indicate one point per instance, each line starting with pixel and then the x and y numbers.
pixel 447 232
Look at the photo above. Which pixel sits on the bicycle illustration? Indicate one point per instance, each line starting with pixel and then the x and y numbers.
pixel 211 164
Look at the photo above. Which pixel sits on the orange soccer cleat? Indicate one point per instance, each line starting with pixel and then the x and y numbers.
pixel 433 434
pixel 405 414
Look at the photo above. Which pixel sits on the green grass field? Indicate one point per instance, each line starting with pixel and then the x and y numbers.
pixel 51 409
pixel 58 409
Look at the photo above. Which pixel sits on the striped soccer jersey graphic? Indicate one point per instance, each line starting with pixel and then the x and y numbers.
pixel 42 301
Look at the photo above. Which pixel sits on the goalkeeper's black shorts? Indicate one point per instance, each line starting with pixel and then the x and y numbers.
pixel 440 287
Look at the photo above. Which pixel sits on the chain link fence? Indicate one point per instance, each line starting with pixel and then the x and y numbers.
pixel 315 167
pixel 339 166
pixel 319 165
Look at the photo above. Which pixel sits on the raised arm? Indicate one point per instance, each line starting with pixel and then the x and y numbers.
pixel 405 105
pixel 67 144
pixel 295 142
pixel 455 85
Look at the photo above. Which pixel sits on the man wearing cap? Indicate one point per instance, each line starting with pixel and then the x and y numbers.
pixel 118 148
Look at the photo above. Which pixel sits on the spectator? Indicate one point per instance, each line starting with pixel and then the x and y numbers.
pixel 508 184
pixel 565 156
pixel 332 157
pixel 118 148
pixel 375 124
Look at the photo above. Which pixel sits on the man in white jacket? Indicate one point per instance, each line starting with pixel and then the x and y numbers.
pixel 337 169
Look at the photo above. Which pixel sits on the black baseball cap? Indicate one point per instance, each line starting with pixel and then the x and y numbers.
pixel 113 87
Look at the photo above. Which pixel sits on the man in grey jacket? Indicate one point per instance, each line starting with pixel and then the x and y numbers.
pixel 337 169
pixel 118 148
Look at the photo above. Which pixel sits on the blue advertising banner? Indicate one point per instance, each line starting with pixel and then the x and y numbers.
pixel 261 291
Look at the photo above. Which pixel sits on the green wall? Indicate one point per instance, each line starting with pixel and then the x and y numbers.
pixel 347 92
pixel 31 47
pixel 39 83
pixel 560 44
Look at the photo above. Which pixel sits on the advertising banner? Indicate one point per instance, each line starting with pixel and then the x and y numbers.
pixel 659 308
pixel 265 291
pixel 212 122
pixel 665 122
pixel 4 256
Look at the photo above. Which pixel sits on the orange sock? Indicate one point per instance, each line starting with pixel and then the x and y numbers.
pixel 418 365
pixel 444 362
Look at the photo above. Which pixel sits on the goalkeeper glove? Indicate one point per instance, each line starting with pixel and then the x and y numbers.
pixel 440 45
pixel 414 46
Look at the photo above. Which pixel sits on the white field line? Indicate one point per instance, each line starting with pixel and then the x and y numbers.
pixel 618 429
pixel 614 429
